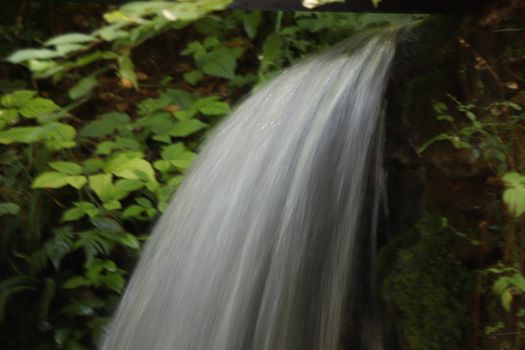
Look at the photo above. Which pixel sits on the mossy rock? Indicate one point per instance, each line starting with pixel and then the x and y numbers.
pixel 427 287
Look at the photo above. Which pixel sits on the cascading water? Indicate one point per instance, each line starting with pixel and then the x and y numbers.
pixel 262 245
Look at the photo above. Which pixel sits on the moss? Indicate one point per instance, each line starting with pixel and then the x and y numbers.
pixel 426 288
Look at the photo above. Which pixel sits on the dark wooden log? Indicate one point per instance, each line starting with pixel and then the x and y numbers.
pixel 393 6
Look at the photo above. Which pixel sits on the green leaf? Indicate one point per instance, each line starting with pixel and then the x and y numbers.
pixel 149 105
pixel 112 32
pixel 75 282
pixel 8 117
pixel 102 185
pixel 130 168
pixel 70 38
pixel 31 54
pixel 89 208
pixel 92 165
pixel 173 151
pixel 83 87
pixel 58 136
pixel 24 134
pixel 130 241
pixel 127 185
pixel 69 168
pixel 184 160
pixel 506 299
pixel 271 51
pixel 112 205
pixel 144 202
pixel 107 224
pixel 8 208
pixel 518 281
pixel 76 181
pixel 73 214
pixel 38 107
pixel 50 179
pixel 220 62
pixel 17 98
pixel 188 127
pixel 251 22
pixel 193 77
pixel 514 195
pixel 132 211
pixel 126 70
pixel 214 108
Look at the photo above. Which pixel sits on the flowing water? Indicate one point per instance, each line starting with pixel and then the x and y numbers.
pixel 264 243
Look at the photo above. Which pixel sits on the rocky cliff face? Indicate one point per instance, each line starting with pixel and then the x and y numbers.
pixel 455 124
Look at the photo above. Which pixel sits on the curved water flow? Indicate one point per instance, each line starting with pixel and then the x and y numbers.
pixel 260 246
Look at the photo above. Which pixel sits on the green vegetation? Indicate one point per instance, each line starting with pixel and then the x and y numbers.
pixel 427 290
pixel 97 138
pixel 98 127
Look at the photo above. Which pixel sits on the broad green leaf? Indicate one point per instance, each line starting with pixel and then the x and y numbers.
pixel 271 51
pixel 69 168
pixel 144 202
pixel 518 281
pixel 184 160
pixel 500 285
pixel 130 168
pixel 193 77
pixel 130 241
pixel 113 281
pixel 17 98
pixel 514 194
pixel 506 299
pixel 52 179
pixel 128 185
pixel 89 208
pixel 73 214
pixel 107 224
pixel 162 165
pixel 65 49
pixel 8 117
pixel 102 185
pixel 58 136
pixel 8 208
pixel 106 125
pixel 188 127
pixel 31 54
pixel 126 70
pixel 112 32
pixel 24 134
pixel 132 211
pixel 251 21
pixel 182 98
pixel 83 87
pixel 173 151
pixel 75 282
pixel 214 108
pixel 149 105
pixel 112 205
pixel 76 181
pixel 92 165
pixel 37 107
pixel 70 38
pixel 220 62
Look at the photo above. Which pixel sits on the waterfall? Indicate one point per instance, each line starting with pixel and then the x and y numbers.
pixel 264 244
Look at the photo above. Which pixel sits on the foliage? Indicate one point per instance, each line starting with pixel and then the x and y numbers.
pixel 493 134
pixel 427 288
pixel 84 175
